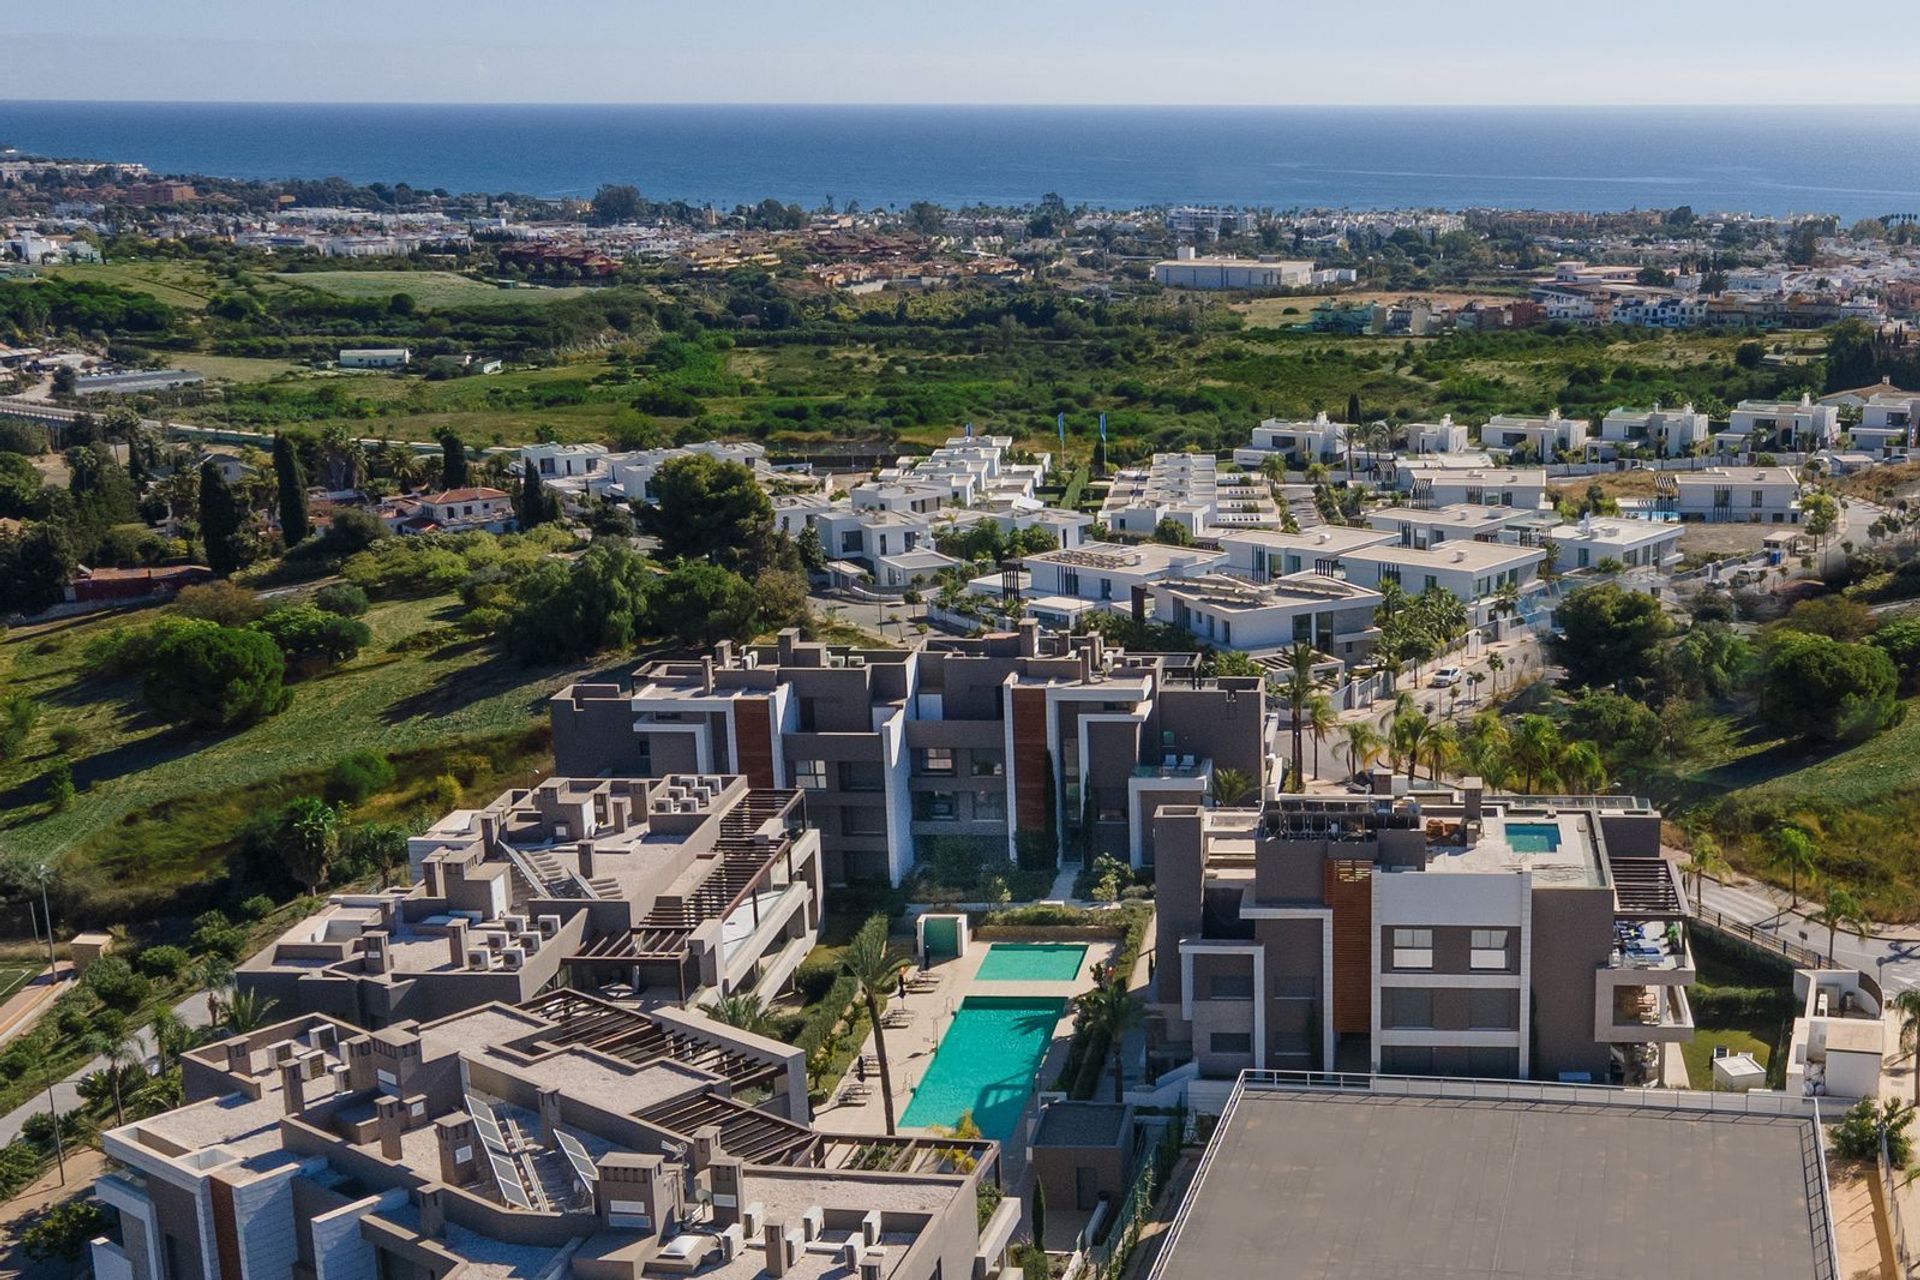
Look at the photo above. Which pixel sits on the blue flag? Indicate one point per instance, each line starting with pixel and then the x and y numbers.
pixel 1060 422
pixel 1103 428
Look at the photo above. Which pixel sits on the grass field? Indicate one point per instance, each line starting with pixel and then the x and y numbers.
pixel 12 978
pixel 428 288
pixel 236 368
pixel 187 285
pixel 158 807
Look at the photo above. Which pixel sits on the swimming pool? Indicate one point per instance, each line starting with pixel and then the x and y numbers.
pixel 1032 962
pixel 985 1063
pixel 1533 837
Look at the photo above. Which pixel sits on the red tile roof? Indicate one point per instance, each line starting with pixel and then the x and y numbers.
pixel 463 495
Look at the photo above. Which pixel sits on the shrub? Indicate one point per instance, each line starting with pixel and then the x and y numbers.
pixel 163 961
pixel 227 603
pixel 67 737
pixel 60 787
pixel 342 598
pixel 114 983
pixel 258 907
pixel 306 634
pixel 215 935
pixel 128 651
pixel 356 777
pixel 217 677
pixel 1857 1136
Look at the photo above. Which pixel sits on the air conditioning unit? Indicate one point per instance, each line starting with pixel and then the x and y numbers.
pixel 516 924
pixel 549 925
pixel 479 958
pixel 513 958
pixel 732 1240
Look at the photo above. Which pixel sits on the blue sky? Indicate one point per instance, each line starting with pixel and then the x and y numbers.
pixel 1003 51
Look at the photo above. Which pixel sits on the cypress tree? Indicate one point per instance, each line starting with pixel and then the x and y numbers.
pixel 453 467
pixel 1353 406
pixel 219 521
pixel 1039 1215
pixel 534 505
pixel 292 480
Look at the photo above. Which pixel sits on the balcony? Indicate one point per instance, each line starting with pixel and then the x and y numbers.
pixel 1644 1015
pixel 1654 954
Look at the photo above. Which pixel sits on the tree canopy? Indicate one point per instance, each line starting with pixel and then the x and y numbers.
pixel 1826 689
pixel 709 509
pixel 216 677
pixel 1608 635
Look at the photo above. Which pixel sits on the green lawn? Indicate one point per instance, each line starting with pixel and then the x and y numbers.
pixel 187 285
pixel 158 807
pixel 235 368
pixel 12 979
pixel 428 288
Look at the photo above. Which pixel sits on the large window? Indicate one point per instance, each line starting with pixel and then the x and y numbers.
pixel 1489 949
pixel 1494 1009
pixel 990 806
pixel 1230 1042
pixel 1230 986
pixel 1413 948
pixel 988 762
pixel 810 775
pixel 862 775
pixel 937 760
pixel 935 806
pixel 1402 1007
pixel 863 822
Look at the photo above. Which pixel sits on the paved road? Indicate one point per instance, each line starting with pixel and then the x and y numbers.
pixel 66 1094
pixel 1891 955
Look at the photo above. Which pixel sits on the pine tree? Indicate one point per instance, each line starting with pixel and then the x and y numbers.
pixel 453 467
pixel 292 480
pixel 219 521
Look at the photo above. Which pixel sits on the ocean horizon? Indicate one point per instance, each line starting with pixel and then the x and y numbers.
pixel 1853 162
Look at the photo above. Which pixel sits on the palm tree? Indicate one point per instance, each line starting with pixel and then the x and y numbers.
pixel 1409 735
pixel 1443 750
pixel 1495 665
pixel 1231 787
pixel 1907 1004
pixel 1114 1010
pixel 1364 745
pixel 247 1011
pixel 1487 747
pixel 112 1039
pixel 1297 687
pixel 1581 769
pixel 171 1038
pixel 1321 721
pixel 871 963
pixel 1790 849
pixel 1535 749
pixel 1842 910
pixel 1703 859
pixel 742 1012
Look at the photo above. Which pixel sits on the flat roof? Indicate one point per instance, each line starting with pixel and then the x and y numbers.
pixel 1455 553
pixel 1360 1184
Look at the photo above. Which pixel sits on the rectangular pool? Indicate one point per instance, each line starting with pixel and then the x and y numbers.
pixel 1533 837
pixel 985 1064
pixel 1032 962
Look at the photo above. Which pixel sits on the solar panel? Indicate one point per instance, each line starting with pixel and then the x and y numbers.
pixel 489 1128
pixel 577 1157
pixel 508 1177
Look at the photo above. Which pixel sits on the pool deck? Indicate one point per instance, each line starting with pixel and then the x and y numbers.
pixel 910 1049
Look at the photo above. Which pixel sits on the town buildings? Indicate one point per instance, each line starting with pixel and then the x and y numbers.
pixel 676 887
pixel 1190 490
pixel 562 1136
pixel 1434 932
pixel 1783 424
pixel 1427 484
pixel 1540 438
pixel 1055 738
pixel 1669 433
pixel 1189 270
pixel 1746 495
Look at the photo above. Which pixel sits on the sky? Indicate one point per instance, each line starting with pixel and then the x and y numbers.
pixel 1199 52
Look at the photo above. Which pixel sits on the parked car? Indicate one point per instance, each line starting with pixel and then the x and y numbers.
pixel 1446 677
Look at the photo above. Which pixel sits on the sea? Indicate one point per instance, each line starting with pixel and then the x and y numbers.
pixel 1852 162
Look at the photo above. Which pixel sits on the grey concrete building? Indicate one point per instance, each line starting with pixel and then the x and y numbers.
pixel 672 890
pixel 565 1137
pixel 1438 933
pixel 975 739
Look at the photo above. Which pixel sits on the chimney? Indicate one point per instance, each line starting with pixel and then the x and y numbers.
pixel 373 951
pixel 1473 793
pixel 1138 595
pixel 293 1086
pixel 549 1113
pixel 390 1117
pixel 783 1248
pixel 1029 629
pixel 706 675
pixel 457 942
pixel 240 1057
pixel 726 1176
pixel 586 860
pixel 456 1137
pixel 784 644
pixel 723 654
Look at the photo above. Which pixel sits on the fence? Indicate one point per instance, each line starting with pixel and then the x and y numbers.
pixel 1770 943
pixel 1891 1187
pixel 1153 1166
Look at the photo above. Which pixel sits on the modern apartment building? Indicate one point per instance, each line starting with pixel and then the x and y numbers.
pixel 562 1137
pixel 1671 433
pixel 1443 932
pixel 675 888
pixel 980 739
pixel 1542 437
pixel 1298 443
pixel 1785 424
pixel 1430 485
pixel 1589 543
pixel 1225 611
pixel 1481 574
pixel 1444 436
pixel 1190 490
pixel 1741 495
pixel 1422 528
pixel 1886 426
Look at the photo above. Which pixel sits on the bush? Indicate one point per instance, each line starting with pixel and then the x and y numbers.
pixel 227 603
pixel 313 636
pixel 356 777
pixel 163 961
pixel 215 935
pixel 342 598
pixel 67 737
pixel 258 907
pixel 1857 1136
pixel 114 983
pixel 128 651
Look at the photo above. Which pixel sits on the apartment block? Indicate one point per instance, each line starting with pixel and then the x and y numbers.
pixel 1440 932
pixel 1671 433
pixel 1228 612
pixel 1298 443
pixel 1741 495
pixel 979 739
pixel 1589 543
pixel 1190 490
pixel 673 889
pixel 561 1137
pixel 1886 426
pixel 1444 436
pixel 1543 438
pixel 1429 485
pixel 1785 424
pixel 1421 528
pixel 1479 573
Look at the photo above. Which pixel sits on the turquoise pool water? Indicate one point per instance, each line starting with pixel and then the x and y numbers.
pixel 1032 962
pixel 1533 837
pixel 985 1063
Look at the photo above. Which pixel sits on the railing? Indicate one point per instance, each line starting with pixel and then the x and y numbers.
pixel 1884 1168
pixel 1740 931
pixel 1826 1251
pixel 1541 1091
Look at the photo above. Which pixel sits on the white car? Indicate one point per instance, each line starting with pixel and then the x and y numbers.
pixel 1446 677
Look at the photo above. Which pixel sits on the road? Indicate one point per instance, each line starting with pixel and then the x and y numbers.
pixel 1892 955
pixel 66 1093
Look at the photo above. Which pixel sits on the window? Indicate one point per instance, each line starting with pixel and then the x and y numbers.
pixel 1230 986
pixel 990 806
pixel 810 775
pixel 1389 573
pixel 1759 498
pixel 850 542
pixel 1489 949
pixel 861 775
pixel 935 806
pixel 1413 948
pixel 1497 1009
pixel 936 760
pixel 863 822
pixel 1230 1042
pixel 988 762
pixel 1403 1007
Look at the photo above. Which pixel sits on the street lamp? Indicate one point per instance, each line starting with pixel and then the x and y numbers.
pixel 42 874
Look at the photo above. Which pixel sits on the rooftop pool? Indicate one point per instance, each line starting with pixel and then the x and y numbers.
pixel 985 1064
pixel 1032 962
pixel 1533 837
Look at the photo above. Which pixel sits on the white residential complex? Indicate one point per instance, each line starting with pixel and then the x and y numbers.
pixel 1670 433
pixel 1190 490
pixel 1744 495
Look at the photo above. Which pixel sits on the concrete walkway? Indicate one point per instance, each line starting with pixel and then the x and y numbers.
pixel 1891 954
